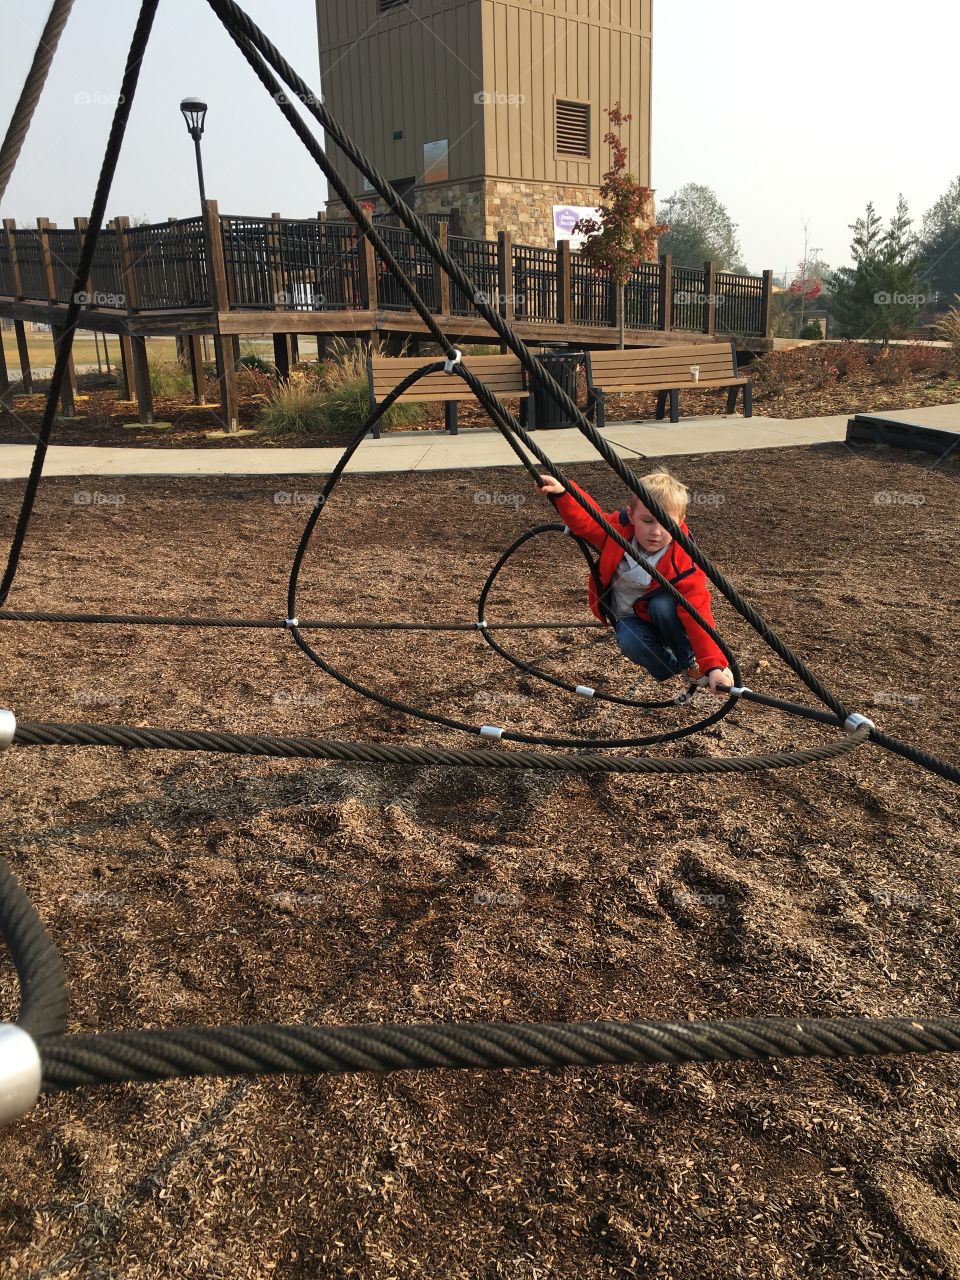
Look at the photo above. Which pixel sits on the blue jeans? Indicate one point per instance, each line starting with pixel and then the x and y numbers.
pixel 660 645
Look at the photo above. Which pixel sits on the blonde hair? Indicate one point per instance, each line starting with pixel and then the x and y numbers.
pixel 668 491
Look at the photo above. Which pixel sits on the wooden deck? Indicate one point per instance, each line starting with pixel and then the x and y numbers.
pixel 231 277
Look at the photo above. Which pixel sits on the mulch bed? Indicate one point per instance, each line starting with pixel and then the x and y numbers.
pixel 805 382
pixel 186 889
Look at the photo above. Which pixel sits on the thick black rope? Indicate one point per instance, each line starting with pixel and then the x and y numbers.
pixel 55 733
pixel 32 89
pixel 279 624
pixel 128 88
pixel 243 29
pixel 71 1062
pixel 43 993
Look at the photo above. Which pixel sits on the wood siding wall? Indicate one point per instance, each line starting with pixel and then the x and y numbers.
pixel 420 69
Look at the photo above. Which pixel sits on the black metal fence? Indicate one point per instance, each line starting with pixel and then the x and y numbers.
pixel 314 265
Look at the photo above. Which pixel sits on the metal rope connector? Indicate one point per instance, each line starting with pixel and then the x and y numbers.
pixel 8 728
pixel 737 690
pixel 292 622
pixel 854 721
pixel 455 359
pixel 490 731
pixel 20 1072
pixel 585 691
pixel 480 625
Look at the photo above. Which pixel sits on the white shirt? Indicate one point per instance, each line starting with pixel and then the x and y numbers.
pixel 631 580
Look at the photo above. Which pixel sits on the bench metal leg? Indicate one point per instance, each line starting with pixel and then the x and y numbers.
pixel 661 404
pixel 450 416
pixel 674 405
pixel 748 399
pixel 732 399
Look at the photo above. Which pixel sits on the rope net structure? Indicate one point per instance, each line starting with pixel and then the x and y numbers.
pixel 37 1054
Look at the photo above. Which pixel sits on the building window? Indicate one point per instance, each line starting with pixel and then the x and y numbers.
pixel 436 161
pixel 573 128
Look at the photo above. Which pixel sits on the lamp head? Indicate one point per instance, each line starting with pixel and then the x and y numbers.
pixel 194 113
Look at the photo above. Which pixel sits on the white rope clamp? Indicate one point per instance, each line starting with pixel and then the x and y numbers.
pixel 854 721
pixel 480 625
pixel 20 1072
pixel 292 622
pixel 8 727
pixel 737 690
pixel 455 359
pixel 490 731
pixel 584 691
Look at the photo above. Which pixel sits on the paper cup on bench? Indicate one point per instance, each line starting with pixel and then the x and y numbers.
pixel 695 372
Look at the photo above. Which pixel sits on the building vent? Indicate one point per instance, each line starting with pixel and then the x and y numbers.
pixel 387 5
pixel 573 128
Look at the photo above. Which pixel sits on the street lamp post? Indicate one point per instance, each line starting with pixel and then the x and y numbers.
pixel 194 113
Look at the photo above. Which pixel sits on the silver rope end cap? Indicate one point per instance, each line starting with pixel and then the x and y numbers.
pixel 490 731
pixel 854 721
pixel 8 728
pixel 585 691
pixel 20 1072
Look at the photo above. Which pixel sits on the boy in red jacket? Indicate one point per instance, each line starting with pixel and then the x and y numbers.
pixel 651 628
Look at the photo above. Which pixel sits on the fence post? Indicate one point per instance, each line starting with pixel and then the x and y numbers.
pixel 23 351
pixel 766 321
pixel 226 346
pixel 564 284
pixel 443 280
pixel 68 390
pixel 666 293
pixel 709 298
pixel 136 350
pixel 506 302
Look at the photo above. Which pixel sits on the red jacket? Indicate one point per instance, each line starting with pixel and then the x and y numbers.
pixel 675 565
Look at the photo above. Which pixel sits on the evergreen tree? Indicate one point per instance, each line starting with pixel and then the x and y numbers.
pixel 880 296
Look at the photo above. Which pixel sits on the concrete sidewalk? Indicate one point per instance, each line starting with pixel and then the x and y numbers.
pixel 437 451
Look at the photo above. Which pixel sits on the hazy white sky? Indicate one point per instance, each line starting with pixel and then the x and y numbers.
pixel 788 111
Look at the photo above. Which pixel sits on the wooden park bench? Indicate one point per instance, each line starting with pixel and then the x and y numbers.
pixel 665 370
pixel 504 376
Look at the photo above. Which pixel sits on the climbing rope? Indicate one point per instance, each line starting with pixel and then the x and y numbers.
pixel 35 1054
pixel 32 88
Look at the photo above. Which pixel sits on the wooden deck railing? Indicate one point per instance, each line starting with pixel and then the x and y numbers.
pixel 287 264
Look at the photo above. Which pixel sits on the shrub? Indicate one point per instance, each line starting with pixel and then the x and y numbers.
pixel 170 378
pixel 250 360
pixel 294 406
pixel 926 360
pixel 851 360
pixel 948 325
pixel 811 331
pixel 894 367
pixel 346 390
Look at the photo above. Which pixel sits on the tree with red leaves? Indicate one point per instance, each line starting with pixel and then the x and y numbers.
pixel 625 235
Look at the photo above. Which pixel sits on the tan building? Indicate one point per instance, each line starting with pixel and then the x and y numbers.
pixel 490 108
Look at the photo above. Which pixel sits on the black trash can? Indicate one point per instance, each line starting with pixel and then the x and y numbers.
pixel 563 366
